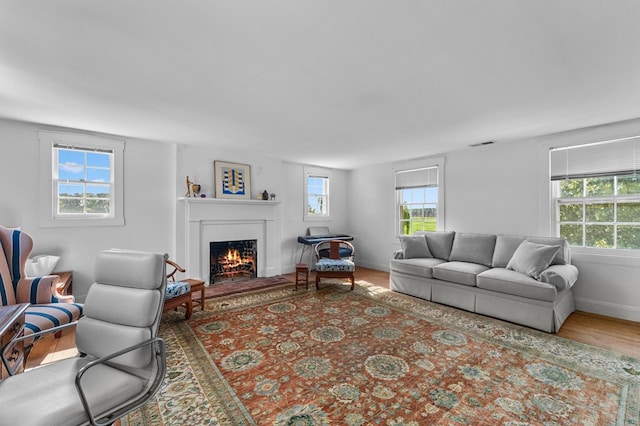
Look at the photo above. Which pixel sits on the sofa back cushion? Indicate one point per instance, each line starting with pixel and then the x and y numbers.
pixel 506 245
pixel 415 246
pixel 473 248
pixel 440 243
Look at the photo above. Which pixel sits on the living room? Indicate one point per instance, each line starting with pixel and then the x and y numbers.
pixel 498 188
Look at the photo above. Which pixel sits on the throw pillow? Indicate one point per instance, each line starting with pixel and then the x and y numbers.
pixel 532 259
pixel 414 246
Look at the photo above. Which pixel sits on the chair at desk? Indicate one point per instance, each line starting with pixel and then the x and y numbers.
pixel 333 265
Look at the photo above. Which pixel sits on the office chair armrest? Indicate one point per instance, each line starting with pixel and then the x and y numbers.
pixel 15 340
pixel 160 358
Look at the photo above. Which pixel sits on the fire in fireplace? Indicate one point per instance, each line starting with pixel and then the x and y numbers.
pixel 232 260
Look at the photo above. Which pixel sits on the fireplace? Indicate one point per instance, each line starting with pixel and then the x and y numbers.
pixel 200 221
pixel 232 260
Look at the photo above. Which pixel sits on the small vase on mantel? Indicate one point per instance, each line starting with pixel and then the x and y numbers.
pixel 265 195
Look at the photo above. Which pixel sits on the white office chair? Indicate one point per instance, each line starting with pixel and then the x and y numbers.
pixel 122 361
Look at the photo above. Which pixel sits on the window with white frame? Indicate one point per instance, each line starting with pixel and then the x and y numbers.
pixel 316 188
pixel 596 194
pixel 82 180
pixel 417 200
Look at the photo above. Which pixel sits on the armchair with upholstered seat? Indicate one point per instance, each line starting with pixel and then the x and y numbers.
pixel 334 259
pixel 48 308
pixel 121 362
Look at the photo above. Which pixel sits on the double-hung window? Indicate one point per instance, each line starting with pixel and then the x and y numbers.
pixel 417 200
pixel 316 186
pixel 596 194
pixel 82 180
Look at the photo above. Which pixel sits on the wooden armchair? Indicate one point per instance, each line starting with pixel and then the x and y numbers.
pixel 338 264
pixel 178 293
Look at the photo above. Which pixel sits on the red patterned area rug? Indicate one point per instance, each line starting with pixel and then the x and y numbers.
pixel 233 287
pixel 374 357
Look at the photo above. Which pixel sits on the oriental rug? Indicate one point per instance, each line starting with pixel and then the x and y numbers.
pixel 375 357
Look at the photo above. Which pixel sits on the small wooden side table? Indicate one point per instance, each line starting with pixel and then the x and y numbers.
pixel 197 285
pixel 302 275
pixel 11 326
pixel 65 283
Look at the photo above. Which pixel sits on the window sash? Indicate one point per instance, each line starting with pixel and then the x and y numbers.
pixel 84 200
pixel 589 221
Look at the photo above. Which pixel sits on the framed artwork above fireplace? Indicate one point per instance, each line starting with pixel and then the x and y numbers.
pixel 232 180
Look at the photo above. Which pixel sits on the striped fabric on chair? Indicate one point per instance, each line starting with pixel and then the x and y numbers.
pixel 48 308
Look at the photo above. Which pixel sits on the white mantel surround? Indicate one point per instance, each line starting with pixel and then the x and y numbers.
pixel 200 221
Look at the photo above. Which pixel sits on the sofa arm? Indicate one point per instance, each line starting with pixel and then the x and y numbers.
pixel 39 290
pixel 398 254
pixel 561 276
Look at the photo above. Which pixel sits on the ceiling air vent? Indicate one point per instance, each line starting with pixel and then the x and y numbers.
pixel 482 143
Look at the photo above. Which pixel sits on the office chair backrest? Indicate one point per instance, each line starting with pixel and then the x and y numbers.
pixel 124 306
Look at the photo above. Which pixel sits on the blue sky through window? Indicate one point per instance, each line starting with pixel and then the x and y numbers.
pixel 77 167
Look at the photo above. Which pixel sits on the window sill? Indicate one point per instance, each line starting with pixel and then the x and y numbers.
pixel 606 256
pixel 317 218
pixel 80 222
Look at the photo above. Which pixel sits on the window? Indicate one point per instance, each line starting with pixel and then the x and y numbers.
pixel 82 180
pixel 596 194
pixel 417 198
pixel 316 196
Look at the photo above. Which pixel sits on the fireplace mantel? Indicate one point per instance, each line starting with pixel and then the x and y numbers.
pixel 200 221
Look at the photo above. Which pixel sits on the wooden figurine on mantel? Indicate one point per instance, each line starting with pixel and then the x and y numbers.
pixel 188 194
pixel 192 188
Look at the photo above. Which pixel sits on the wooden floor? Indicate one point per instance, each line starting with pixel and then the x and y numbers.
pixel 597 330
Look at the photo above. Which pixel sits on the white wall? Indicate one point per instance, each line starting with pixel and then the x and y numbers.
pixel 501 188
pixel 293 223
pixel 276 176
pixel 149 203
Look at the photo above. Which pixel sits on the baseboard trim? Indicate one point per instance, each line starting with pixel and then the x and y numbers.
pixel 630 313
pixel 375 266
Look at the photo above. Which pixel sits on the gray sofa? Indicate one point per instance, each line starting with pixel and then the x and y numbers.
pixel 524 280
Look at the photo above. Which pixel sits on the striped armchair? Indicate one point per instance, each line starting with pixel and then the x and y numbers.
pixel 48 308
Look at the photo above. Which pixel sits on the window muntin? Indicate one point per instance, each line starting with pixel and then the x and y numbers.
pixel 83 182
pixel 602 212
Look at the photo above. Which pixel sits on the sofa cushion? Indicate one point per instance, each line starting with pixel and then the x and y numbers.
pixel 563 256
pixel 335 265
pixel 473 248
pixel 421 267
pixel 440 243
pixel 515 283
pixel 531 258
pixel 458 272
pixel 414 246
pixel 506 245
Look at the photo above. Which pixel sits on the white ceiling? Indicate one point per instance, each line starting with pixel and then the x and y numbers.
pixel 335 83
